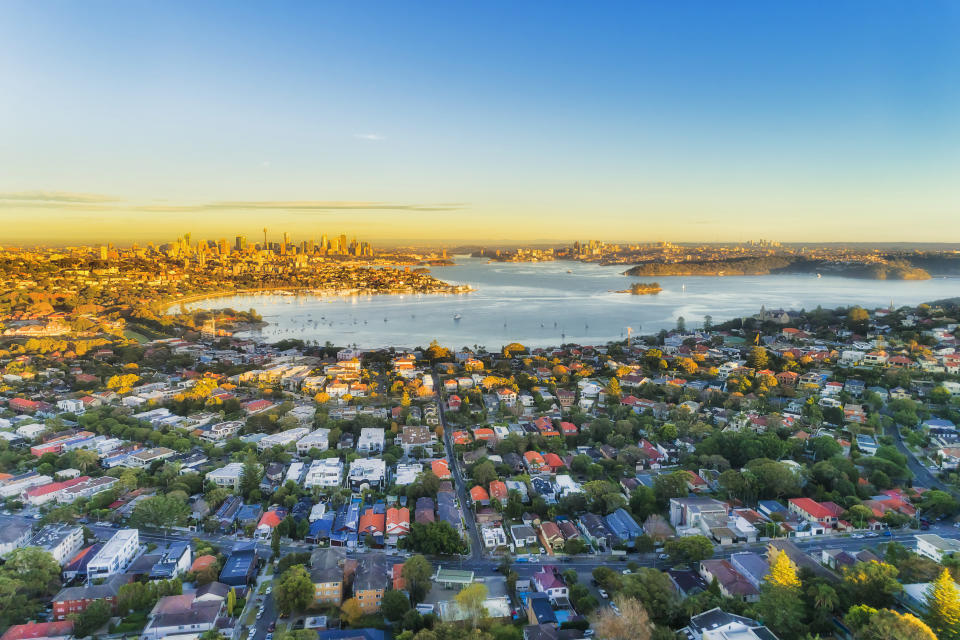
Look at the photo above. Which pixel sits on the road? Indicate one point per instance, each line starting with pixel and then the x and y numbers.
pixel 922 475
pixel 476 544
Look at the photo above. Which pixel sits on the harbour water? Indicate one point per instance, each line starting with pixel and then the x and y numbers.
pixel 542 304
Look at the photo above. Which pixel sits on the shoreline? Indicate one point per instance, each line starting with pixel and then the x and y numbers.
pixel 295 292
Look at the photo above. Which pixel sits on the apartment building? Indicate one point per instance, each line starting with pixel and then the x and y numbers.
pixel 116 555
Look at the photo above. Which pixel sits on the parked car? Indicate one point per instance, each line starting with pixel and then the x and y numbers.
pixel 626 572
pixel 604 594
pixel 615 608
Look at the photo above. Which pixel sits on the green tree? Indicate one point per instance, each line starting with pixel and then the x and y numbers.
pixel 670 485
pixel 250 476
pixel 35 568
pixel 160 512
pixel 483 473
pixel 92 618
pixel 394 605
pixel 689 549
pixel 938 503
pixel 872 583
pixel 294 591
pixel 435 538
pixel 417 574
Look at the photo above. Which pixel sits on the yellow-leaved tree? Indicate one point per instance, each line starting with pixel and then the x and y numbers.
pixel 782 573
pixel 943 607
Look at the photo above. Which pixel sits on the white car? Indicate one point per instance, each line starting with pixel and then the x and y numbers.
pixel 603 594
pixel 626 572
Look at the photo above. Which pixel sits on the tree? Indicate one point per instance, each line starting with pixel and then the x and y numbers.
pixel 613 389
pixel 607 578
pixel 417 573
pixel 858 318
pixel 483 473
pixel 654 590
pixel 435 538
pixel 92 618
pixel 872 583
pixel 35 568
pixel 632 623
pixel 250 476
pixel 574 546
pixel 471 599
pixel 160 512
pixel 779 604
pixel 758 358
pixel 394 605
pixel 943 607
pixel 670 485
pixel 824 596
pixel 689 549
pixel 294 591
pixel 782 573
pixel 868 623
pixel 275 543
pixel 938 503
pixel 350 611
pixel 643 502
pixel 231 601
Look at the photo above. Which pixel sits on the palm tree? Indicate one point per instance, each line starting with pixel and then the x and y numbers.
pixel 824 596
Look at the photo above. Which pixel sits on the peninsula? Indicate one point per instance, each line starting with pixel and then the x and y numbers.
pixel 878 269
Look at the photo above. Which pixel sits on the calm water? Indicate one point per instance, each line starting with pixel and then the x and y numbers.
pixel 542 304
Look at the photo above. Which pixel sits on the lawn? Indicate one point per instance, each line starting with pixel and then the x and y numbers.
pixel 133 335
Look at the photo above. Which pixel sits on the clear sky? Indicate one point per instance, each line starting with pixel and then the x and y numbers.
pixel 480 121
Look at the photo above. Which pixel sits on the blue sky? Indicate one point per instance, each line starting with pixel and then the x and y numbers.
pixel 487 121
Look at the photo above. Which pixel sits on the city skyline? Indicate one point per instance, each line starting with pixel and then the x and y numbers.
pixel 480 125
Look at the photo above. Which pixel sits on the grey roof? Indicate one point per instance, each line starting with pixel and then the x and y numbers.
pixel 52 535
pixel 13 530
pixel 371 573
pixel 326 564
pixel 93 592
pixel 213 588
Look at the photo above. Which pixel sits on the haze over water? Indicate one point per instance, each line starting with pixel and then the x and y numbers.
pixel 541 304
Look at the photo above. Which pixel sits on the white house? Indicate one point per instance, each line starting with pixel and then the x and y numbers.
pixel 934 547
pixel 62 541
pixel 327 472
pixel 318 439
pixel 371 440
pixel 227 477
pixel 116 555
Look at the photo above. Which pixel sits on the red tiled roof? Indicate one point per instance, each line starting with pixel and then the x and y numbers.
pixel 371 522
pixel 812 507
pixel 479 494
pixel 440 468
pixel 38 630
pixel 270 519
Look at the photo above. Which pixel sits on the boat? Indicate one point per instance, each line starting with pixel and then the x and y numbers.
pixel 569 270
pixel 457 316
pixel 819 276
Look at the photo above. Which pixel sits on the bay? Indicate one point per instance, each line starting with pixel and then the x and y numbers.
pixel 549 303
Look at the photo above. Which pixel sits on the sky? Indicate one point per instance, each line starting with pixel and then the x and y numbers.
pixel 480 122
